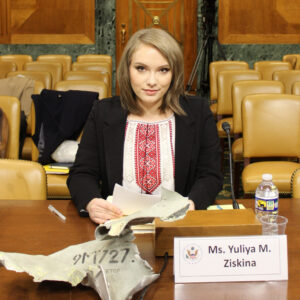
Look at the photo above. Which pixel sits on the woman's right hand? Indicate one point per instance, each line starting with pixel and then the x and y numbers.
pixel 101 210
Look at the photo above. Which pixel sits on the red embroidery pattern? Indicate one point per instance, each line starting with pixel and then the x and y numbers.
pixel 172 150
pixel 147 157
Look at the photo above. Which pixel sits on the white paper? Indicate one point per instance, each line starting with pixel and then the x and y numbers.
pixel 130 202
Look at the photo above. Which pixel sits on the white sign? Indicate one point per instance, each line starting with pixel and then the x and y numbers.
pixel 234 258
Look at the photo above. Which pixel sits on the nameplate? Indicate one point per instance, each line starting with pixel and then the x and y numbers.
pixel 239 258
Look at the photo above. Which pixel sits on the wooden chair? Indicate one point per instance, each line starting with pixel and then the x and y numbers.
pixel 43 76
pixel 240 90
pixel 83 85
pixel 225 81
pixel 214 68
pixel 22 180
pixel 288 78
pixel 267 68
pixel 54 68
pixel 271 137
pixel 65 60
pixel 6 67
pixel 12 108
pixel 18 59
pixel 89 75
pixel 296 88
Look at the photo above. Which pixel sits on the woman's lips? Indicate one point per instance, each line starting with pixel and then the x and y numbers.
pixel 150 92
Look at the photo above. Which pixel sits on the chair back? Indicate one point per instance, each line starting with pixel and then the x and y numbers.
pixel 89 75
pixel 271 125
pixel 95 58
pixel 83 85
pixel 55 68
pixel 38 87
pixel 296 88
pixel 3 133
pixel 18 59
pixel 241 89
pixel 288 78
pixel 295 184
pixel 217 66
pixel 91 66
pixel 43 76
pixel 291 58
pixel 12 108
pixel 22 180
pixel 65 60
pixel 225 81
pixel 6 67
pixel 267 68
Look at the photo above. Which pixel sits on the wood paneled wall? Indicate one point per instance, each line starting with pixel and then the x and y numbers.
pixel 259 21
pixel 47 22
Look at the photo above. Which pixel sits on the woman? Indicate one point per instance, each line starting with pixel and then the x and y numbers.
pixel 150 136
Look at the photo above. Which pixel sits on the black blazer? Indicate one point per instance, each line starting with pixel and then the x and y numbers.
pixel 99 159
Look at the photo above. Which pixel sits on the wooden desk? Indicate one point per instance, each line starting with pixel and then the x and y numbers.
pixel 29 227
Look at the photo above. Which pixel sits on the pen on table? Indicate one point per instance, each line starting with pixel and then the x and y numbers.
pixel 59 214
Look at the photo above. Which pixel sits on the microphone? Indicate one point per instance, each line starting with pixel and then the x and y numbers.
pixel 226 128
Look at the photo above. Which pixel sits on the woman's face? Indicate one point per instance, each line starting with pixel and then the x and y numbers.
pixel 150 76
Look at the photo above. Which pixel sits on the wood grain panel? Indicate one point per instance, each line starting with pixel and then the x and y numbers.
pixel 259 22
pixel 47 22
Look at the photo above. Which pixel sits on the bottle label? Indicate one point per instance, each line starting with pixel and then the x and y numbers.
pixel 266 204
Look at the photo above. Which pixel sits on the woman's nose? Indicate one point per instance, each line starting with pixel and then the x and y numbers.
pixel 151 80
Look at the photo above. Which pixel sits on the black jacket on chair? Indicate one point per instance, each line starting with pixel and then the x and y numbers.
pixel 59 116
pixel 99 161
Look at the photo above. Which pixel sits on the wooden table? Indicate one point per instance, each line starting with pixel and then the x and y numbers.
pixel 29 227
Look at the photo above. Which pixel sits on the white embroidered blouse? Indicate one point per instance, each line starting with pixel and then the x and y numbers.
pixel 149 158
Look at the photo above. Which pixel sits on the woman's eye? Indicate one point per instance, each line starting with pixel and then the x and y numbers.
pixel 165 70
pixel 140 68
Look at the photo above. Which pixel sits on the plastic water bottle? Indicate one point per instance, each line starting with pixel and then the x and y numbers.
pixel 266 197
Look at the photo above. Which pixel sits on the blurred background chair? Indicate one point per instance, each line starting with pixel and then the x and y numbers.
pixel 12 108
pixel 18 59
pixel 65 60
pixel 6 67
pixel 43 76
pixel 22 180
pixel 267 68
pixel 288 78
pixel 95 58
pixel 271 139
pixel 293 59
pixel 83 85
pixel 241 89
pixel 214 68
pixel 296 88
pixel 295 184
pixel 89 75
pixel 101 67
pixel 54 68
pixel 225 81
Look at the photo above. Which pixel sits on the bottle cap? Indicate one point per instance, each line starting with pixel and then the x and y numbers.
pixel 267 177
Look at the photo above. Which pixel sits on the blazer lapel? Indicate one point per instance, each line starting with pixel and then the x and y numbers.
pixel 114 134
pixel 184 135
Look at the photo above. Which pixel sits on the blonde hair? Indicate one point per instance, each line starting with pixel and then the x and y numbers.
pixel 171 50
